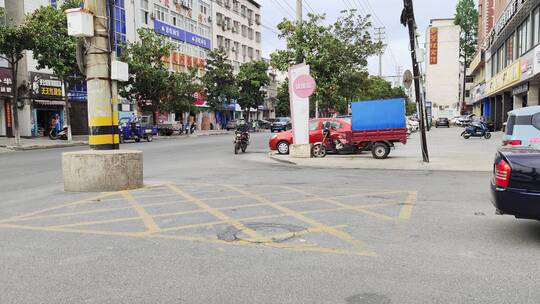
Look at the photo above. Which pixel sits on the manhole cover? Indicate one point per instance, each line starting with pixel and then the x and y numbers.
pixel 269 233
pixel 368 298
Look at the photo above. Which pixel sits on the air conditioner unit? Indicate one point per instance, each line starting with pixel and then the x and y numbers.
pixel 209 19
pixel 152 16
pixel 228 26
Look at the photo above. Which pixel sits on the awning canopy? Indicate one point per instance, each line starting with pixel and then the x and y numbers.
pixel 50 102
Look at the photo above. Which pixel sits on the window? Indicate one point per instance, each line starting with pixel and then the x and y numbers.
pixel 204 31
pixel 119 27
pixel 144 12
pixel 243 10
pixel 536 26
pixel 523 38
pixel 244 31
pixel 257 18
pixel 313 125
pixel 258 37
pixel 257 54
pixel 236 4
pixel 219 19
pixel 176 18
pixel 244 52
pixel 536 121
pixel 161 13
pixel 191 25
pixel 250 34
pixel 236 27
pixel 509 50
pixel 204 8
pixel 250 53
pixel 236 50
pixel 510 125
pixel 220 41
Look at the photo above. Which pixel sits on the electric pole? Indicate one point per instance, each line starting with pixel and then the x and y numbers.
pixel 102 114
pixel 407 19
pixel 379 36
pixel 298 11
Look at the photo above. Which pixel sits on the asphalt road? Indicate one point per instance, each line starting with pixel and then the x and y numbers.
pixel 212 227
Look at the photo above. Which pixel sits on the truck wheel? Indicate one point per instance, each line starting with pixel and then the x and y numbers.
pixel 380 150
pixel 122 140
pixel 137 139
pixel 149 138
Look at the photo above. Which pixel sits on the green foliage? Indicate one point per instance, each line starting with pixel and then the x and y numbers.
pixel 180 92
pixel 250 80
pixel 14 40
pixel 219 81
pixel 378 88
pixel 52 47
pixel 149 78
pixel 283 101
pixel 467 18
pixel 337 55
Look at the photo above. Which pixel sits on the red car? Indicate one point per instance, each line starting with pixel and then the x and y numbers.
pixel 281 141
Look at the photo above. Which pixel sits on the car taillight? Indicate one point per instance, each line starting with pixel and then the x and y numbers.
pixel 502 174
pixel 513 142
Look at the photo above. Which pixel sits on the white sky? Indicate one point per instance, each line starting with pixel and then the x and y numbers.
pixel 387 14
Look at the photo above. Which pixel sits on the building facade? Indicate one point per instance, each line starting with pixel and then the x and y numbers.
pixel 443 67
pixel 512 59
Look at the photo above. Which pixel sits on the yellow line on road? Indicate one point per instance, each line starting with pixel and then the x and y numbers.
pixel 342 205
pixel 148 221
pixel 216 212
pixel 408 206
pixel 325 228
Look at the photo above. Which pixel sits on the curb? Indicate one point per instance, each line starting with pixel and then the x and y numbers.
pixel 37 147
pixel 273 157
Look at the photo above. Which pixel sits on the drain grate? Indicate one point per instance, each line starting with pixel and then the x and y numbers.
pixel 270 233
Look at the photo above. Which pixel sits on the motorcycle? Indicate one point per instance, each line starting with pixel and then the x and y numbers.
pixel 241 141
pixel 62 134
pixel 476 129
pixel 329 143
pixel 190 129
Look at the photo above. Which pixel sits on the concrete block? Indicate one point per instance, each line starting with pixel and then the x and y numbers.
pixel 300 151
pixel 100 171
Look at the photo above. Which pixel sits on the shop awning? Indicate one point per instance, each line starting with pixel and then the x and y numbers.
pixel 50 102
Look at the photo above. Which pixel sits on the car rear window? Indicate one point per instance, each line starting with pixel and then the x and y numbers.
pixel 510 125
pixel 536 121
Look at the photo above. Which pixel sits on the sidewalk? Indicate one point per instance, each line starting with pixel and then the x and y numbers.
pixel 38 143
pixel 448 152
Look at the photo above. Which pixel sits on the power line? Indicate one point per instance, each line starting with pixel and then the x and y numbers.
pixel 283 10
pixel 309 6
pixel 270 29
pixel 288 5
pixel 347 4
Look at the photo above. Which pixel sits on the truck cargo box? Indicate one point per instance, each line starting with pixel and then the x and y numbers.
pixel 378 114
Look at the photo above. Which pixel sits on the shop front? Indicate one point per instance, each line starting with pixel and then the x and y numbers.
pixel 48 103
pixel 6 127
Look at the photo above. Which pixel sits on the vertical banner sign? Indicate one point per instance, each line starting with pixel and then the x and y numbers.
pixel 301 87
pixel 433 45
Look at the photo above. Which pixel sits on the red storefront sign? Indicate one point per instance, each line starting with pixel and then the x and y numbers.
pixel 199 99
pixel 182 59
pixel 189 61
pixel 433 45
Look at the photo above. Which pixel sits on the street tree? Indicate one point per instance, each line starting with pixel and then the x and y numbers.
pixel 219 81
pixel 181 89
pixel 467 18
pixel 15 39
pixel 334 53
pixel 53 48
pixel 251 81
pixel 149 78
pixel 283 100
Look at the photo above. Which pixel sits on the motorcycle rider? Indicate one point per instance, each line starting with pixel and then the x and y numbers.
pixel 243 128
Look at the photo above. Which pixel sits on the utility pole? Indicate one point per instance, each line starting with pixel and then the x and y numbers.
pixel 102 114
pixel 379 36
pixel 407 19
pixel 299 11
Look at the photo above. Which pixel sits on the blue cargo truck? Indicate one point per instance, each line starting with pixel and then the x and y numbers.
pixel 377 125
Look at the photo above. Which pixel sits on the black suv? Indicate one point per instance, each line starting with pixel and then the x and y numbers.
pixel 281 124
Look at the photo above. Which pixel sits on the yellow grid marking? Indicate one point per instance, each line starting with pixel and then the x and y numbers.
pixel 146 218
pixel 408 206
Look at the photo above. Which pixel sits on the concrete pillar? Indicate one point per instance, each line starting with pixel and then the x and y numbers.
pixel 518 101
pixel 533 95
pixel 498 112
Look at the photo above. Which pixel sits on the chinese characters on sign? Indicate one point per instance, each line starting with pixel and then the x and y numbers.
pixel 181 35
pixel 433 45
pixel 5 82
pixel 46 86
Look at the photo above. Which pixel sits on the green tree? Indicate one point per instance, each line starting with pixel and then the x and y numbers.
pixel 467 18
pixel 149 79
pixel 14 40
pixel 251 80
pixel 283 101
pixel 219 81
pixel 52 47
pixel 180 92
pixel 335 53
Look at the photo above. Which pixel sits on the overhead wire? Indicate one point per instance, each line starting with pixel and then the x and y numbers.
pixel 283 10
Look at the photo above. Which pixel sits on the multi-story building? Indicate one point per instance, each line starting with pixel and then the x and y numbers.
pixel 512 52
pixel 237 29
pixel 42 94
pixel 443 67
pixel 477 70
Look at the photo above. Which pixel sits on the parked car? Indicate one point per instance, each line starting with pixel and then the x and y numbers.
pixel 442 122
pixel 232 124
pixel 281 142
pixel 281 124
pixel 523 127
pixel 515 186
pixel 263 124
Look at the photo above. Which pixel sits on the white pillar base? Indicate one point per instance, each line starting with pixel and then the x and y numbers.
pixel 300 151
pixel 102 170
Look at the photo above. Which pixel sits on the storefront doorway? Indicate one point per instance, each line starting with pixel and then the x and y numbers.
pixel 45 117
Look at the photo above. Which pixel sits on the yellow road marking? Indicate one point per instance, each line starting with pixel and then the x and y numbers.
pixel 148 221
pixel 216 212
pixel 343 205
pixel 407 208
pixel 325 228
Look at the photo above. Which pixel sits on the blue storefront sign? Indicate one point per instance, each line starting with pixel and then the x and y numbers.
pixel 181 35
pixel 198 40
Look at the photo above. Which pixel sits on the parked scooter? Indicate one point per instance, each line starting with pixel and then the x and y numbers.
pixel 330 143
pixel 62 134
pixel 190 129
pixel 476 129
